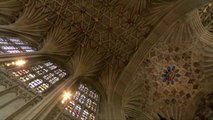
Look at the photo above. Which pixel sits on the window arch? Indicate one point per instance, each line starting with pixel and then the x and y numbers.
pixel 14 45
pixel 83 104
pixel 36 77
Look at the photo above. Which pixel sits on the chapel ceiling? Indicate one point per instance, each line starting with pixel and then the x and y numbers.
pixel 89 34
pixel 115 28
pixel 99 38
pixel 181 74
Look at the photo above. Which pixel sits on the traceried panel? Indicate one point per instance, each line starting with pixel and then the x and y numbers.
pixel 38 77
pixel 206 16
pixel 83 104
pixel 29 80
pixel 171 75
pixel 106 25
pixel 205 108
pixel 14 45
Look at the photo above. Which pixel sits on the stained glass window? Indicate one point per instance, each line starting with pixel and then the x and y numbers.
pixel 77 111
pixel 82 99
pixel 89 103
pixel 70 106
pixel 83 104
pixel 39 77
pixel 14 45
pixel 85 115
pixel 91 117
pixel 77 95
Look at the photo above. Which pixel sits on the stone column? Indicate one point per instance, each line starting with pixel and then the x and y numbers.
pixel 41 110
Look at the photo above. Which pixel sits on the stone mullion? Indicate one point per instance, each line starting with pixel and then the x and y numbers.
pixel 98 104
pixel 93 100
pixel 49 71
pixel 31 71
pixel 56 75
pixel 83 106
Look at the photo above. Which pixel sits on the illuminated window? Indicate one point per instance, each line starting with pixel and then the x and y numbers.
pixel 38 78
pixel 14 45
pixel 94 106
pixel 83 104
pixel 35 83
pixel 77 95
pixel 76 112
pixel 70 106
pixel 91 94
pixel 89 103
pixel 81 87
pixel 85 115
pixel 85 90
pixel 91 117
pixel 82 99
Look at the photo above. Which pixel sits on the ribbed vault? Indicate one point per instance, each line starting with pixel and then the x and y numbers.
pixel 184 48
pixel 10 10
pixel 126 47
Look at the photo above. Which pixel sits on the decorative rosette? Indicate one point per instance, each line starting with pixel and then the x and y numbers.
pixel 170 75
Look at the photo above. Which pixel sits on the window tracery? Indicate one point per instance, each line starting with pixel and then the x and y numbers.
pixel 38 78
pixel 206 16
pixel 83 104
pixel 14 45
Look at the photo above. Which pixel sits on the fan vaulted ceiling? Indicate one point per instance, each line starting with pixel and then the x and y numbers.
pixel 100 37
